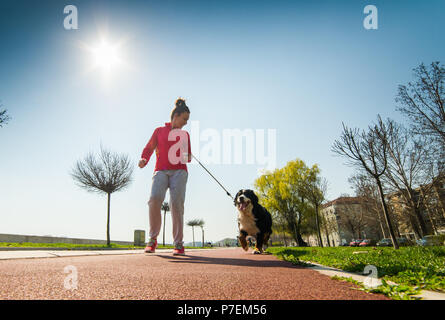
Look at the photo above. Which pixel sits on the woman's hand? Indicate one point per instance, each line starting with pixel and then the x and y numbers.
pixel 142 163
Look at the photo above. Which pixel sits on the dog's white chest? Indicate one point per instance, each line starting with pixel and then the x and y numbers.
pixel 247 223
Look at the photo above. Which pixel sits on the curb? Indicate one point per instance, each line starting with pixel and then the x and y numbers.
pixel 330 271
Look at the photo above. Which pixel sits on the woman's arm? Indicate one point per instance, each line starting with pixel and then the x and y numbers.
pixel 148 150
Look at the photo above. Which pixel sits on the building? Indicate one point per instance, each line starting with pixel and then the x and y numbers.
pixel 345 219
pixel 431 201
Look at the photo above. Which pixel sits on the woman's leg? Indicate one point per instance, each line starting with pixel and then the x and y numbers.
pixel 158 190
pixel 178 183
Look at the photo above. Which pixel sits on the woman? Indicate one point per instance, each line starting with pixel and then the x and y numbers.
pixel 173 151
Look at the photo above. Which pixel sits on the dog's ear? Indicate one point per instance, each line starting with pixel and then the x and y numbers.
pixel 236 197
pixel 253 196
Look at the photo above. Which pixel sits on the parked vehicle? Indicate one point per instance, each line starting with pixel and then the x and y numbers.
pixel 367 243
pixel 387 242
pixel 432 240
pixel 355 243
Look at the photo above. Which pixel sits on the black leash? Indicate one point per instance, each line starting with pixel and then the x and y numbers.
pixel 213 177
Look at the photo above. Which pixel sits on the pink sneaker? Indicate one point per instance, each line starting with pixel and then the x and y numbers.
pixel 151 246
pixel 179 250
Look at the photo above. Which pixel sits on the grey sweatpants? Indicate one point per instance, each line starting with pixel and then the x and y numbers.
pixel 176 181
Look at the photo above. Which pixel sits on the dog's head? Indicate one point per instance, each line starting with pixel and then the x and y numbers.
pixel 244 198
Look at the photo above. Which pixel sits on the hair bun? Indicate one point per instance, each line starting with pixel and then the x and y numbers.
pixel 180 103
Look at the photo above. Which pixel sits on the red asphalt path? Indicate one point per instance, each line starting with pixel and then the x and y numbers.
pixel 222 274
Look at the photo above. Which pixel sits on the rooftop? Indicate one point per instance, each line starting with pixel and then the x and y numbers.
pixel 344 200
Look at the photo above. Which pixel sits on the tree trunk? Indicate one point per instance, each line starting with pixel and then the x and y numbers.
pixel 439 198
pixel 418 214
pixel 428 210
pixel 386 214
pixel 284 238
pixel 320 242
pixel 202 229
pixel 163 232
pixel 380 221
pixel 301 242
pixel 415 225
pixel 327 234
pixel 193 233
pixel 108 219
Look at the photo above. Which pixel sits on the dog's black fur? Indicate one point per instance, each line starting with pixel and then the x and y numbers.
pixel 253 220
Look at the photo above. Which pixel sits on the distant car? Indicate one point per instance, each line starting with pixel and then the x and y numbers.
pixel 384 243
pixel 355 243
pixel 387 242
pixel 367 243
pixel 432 240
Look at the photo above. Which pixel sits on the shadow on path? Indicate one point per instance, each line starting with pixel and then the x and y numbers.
pixel 188 258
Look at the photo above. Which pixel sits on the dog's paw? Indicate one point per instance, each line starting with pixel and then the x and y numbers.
pixel 256 251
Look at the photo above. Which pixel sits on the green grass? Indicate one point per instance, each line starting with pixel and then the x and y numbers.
pixel 422 267
pixel 64 245
pixel 70 246
pixel 395 292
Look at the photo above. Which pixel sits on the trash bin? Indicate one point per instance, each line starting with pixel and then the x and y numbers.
pixel 139 237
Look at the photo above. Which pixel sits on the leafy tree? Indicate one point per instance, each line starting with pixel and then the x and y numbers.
pixel 193 223
pixel 201 225
pixel 315 190
pixel 282 191
pixel 107 173
pixel 279 226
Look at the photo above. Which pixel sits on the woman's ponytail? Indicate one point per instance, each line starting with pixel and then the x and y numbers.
pixel 179 108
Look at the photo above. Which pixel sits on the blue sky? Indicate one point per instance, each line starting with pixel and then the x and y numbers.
pixel 298 67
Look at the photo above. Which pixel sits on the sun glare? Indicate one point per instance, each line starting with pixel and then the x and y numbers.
pixel 106 56
pixel 106 59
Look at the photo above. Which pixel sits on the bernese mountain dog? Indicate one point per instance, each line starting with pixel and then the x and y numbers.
pixel 253 220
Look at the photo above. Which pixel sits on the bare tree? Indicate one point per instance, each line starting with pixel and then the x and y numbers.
pixel 353 220
pixel 368 150
pixel 423 101
pixel 408 162
pixel 365 188
pixel 107 173
pixel 330 226
pixel 4 117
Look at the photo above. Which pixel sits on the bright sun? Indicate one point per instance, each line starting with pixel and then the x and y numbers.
pixel 106 56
